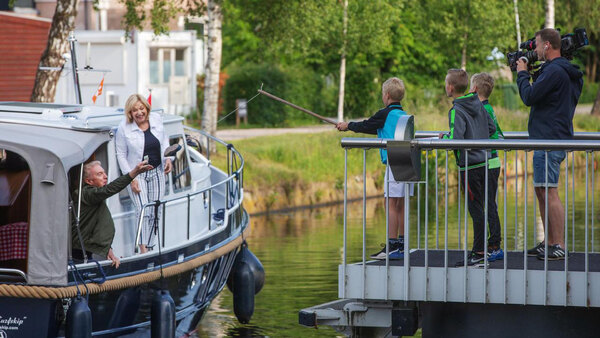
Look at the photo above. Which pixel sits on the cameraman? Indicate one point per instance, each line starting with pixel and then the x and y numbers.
pixel 552 97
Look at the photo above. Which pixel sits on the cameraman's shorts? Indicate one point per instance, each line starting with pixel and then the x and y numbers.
pixel 396 188
pixel 555 158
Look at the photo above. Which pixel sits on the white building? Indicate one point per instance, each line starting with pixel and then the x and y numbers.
pixel 167 65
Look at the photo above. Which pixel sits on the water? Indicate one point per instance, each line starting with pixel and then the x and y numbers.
pixel 301 252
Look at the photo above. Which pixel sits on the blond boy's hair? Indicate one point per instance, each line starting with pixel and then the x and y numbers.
pixel 394 87
pixel 484 83
pixel 459 79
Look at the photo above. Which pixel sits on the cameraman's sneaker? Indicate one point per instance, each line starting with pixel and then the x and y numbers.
pixel 394 245
pixel 538 249
pixel 555 253
pixel 473 259
pixel 495 255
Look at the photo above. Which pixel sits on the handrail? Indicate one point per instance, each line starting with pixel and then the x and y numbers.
pixel 233 174
pixel 515 144
pixel 512 135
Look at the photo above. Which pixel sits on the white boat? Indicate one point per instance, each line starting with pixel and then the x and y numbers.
pixel 43 148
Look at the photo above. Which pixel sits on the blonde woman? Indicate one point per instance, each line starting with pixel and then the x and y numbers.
pixel 141 137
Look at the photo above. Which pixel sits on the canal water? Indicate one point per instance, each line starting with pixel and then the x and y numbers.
pixel 301 251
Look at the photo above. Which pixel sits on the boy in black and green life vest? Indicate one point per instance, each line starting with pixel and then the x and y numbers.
pixel 482 84
pixel 469 120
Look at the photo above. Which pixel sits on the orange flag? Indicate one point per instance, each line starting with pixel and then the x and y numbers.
pixel 99 91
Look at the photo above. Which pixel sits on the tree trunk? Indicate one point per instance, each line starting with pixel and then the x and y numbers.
pixel 340 114
pixel 463 59
pixel 594 66
pixel 596 107
pixel 549 14
pixel 63 23
pixel 213 66
pixel 517 24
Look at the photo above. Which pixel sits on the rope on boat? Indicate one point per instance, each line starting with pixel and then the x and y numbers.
pixel 45 292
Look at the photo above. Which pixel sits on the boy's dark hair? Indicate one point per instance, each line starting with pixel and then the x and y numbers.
pixel 551 35
pixel 484 83
pixel 459 79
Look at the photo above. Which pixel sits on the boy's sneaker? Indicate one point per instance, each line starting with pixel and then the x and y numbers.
pixel 496 255
pixel 538 249
pixel 555 253
pixel 397 254
pixel 394 245
pixel 473 259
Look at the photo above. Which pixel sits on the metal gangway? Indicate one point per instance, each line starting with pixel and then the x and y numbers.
pixel 517 296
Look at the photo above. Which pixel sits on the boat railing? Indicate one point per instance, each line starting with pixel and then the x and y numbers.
pixel 427 235
pixel 232 185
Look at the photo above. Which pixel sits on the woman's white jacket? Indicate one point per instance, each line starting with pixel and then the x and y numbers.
pixel 129 142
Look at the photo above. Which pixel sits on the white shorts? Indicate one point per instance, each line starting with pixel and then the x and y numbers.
pixel 396 188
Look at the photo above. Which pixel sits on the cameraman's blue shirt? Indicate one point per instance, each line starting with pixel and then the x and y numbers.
pixel 383 123
pixel 552 97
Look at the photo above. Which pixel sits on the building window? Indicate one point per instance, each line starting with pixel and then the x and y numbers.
pixel 166 62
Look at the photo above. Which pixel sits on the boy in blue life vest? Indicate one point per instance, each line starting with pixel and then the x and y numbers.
pixel 469 120
pixel 383 123
pixel 482 84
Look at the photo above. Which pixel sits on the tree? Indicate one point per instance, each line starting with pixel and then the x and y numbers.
pixel 213 66
pixel 340 114
pixel 63 23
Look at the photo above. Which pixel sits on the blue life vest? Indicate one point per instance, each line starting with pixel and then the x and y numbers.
pixel 389 128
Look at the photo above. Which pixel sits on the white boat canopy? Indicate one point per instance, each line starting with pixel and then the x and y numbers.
pixel 50 152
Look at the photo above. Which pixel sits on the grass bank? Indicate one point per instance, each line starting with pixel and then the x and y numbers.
pixel 291 170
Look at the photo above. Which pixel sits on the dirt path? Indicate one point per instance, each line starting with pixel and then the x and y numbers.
pixel 238 134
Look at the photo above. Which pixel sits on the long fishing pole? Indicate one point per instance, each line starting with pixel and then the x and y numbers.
pixel 273 97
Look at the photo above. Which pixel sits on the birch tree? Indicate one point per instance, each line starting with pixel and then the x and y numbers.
pixel 213 65
pixel 63 23
pixel 340 115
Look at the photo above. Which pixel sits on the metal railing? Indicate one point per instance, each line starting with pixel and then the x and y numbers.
pixel 580 149
pixel 232 184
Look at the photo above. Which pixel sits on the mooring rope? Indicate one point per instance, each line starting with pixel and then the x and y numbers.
pixel 47 292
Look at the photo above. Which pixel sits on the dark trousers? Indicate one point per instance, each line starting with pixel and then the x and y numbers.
pixel 493 219
pixel 475 185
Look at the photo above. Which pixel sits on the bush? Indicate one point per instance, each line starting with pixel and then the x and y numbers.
pixel 589 91
pixel 298 85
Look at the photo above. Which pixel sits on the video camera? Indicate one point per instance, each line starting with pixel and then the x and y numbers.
pixel 569 44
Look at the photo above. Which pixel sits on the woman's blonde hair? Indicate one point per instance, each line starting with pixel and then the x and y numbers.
pixel 131 101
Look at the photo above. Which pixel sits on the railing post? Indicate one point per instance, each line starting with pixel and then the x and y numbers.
pixel 364 227
pixel 345 253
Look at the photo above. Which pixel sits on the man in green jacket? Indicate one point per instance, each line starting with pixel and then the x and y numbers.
pixel 95 222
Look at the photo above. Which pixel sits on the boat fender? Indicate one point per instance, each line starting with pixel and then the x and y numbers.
pixel 126 308
pixel 243 292
pixel 162 315
pixel 245 255
pixel 79 319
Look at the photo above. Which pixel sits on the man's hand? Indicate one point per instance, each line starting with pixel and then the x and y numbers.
pixel 441 135
pixel 168 166
pixel 521 65
pixel 115 261
pixel 342 126
pixel 141 167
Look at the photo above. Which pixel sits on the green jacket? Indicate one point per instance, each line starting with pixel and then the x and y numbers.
pixel 494 162
pixel 95 222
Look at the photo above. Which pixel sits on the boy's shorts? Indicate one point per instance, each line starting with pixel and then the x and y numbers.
pixel 396 188
pixel 555 158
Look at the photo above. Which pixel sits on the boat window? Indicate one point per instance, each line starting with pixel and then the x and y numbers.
pixel 180 175
pixel 15 205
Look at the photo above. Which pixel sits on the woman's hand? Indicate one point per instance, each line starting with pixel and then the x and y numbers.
pixel 135 186
pixel 168 166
